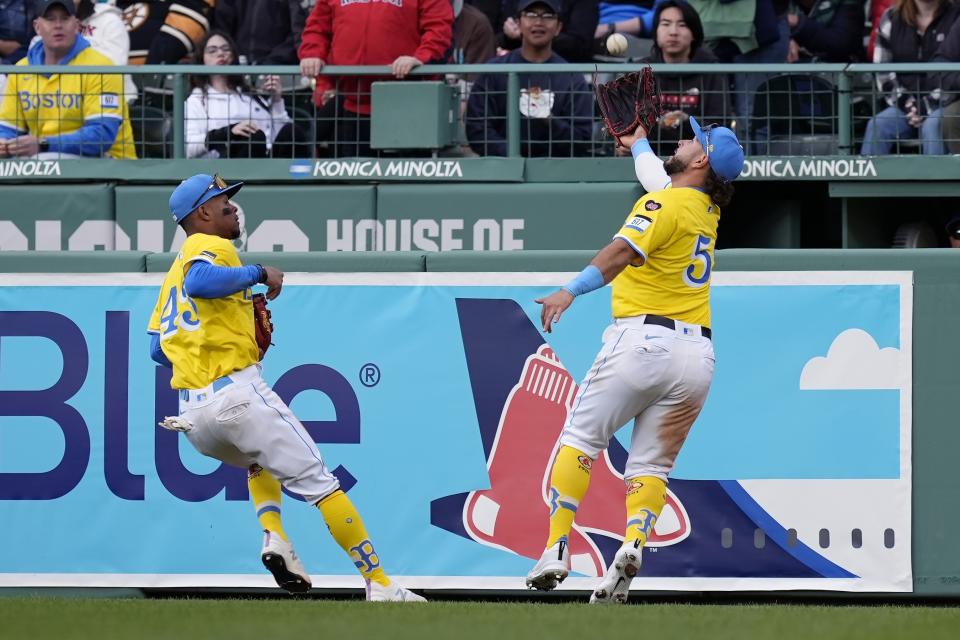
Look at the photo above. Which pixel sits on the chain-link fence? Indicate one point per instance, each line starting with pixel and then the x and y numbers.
pixel 513 110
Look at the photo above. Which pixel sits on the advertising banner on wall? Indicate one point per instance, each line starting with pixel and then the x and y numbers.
pixel 438 402
pixel 77 217
pixel 393 217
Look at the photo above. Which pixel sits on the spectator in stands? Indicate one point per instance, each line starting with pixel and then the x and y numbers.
pixel 403 35
pixel 265 32
pixel 228 119
pixel 80 115
pixel 877 9
pixel 630 17
pixel 679 40
pixel 826 31
pixel 575 41
pixel 473 43
pixel 746 32
pixel 953 232
pixel 16 29
pixel 165 31
pixel 910 31
pixel 949 51
pixel 473 39
pixel 101 23
pixel 556 109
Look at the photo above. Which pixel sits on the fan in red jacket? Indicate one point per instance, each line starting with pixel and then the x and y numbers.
pixel 400 33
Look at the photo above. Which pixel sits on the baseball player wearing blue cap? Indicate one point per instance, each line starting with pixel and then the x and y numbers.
pixel 657 359
pixel 202 327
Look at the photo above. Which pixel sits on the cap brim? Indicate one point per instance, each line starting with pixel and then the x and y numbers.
pixel 697 132
pixel 229 191
pixel 44 6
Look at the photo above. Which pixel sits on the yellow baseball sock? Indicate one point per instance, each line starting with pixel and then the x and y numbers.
pixel 646 496
pixel 568 484
pixel 347 529
pixel 265 493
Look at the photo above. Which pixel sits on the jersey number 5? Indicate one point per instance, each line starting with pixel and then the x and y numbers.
pixel 701 254
pixel 179 312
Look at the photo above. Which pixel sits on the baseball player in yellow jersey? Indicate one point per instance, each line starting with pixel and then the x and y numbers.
pixel 657 359
pixel 202 326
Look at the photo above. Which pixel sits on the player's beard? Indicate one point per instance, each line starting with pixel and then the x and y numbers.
pixel 674 165
pixel 235 232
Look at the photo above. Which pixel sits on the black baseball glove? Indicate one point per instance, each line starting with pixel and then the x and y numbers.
pixel 630 101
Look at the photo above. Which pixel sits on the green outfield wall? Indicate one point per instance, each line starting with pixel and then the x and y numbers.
pixel 936 314
pixel 557 205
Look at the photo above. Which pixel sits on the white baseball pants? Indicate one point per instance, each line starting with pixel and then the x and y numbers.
pixel 239 420
pixel 656 376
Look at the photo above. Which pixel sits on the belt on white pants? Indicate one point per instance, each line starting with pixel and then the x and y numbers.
pixel 190 398
pixel 677 325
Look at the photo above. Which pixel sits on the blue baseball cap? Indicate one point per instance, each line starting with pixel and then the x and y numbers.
pixel 722 149
pixel 195 190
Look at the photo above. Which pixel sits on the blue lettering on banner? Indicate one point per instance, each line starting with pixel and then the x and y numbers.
pixel 50 403
pixel 55 403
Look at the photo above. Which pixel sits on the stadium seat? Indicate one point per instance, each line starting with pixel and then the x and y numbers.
pixel 151 131
pixel 794 114
pixel 306 123
pixel 156 90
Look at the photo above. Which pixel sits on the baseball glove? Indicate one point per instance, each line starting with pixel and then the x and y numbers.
pixel 630 101
pixel 262 326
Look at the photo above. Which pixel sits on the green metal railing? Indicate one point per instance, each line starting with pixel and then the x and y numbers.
pixel 851 82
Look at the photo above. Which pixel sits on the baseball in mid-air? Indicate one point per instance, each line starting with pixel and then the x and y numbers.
pixel 616 44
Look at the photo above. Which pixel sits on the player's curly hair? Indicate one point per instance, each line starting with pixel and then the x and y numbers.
pixel 720 191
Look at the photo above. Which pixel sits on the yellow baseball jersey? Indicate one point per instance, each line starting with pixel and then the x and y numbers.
pixel 50 106
pixel 675 231
pixel 204 339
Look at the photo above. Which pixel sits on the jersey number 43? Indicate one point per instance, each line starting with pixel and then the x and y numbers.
pixel 179 312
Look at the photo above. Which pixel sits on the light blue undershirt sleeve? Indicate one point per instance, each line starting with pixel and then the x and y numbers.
pixel 205 280
pixel 590 279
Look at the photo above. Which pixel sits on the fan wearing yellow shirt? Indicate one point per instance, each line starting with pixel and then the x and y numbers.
pixel 657 359
pixel 202 327
pixel 66 114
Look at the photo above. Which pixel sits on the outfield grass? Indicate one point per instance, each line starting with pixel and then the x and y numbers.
pixel 40 618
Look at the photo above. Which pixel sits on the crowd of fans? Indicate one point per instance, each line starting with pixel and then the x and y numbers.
pixel 239 115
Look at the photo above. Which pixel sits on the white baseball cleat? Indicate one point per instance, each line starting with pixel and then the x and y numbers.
pixel 615 585
pixel 393 592
pixel 552 568
pixel 281 560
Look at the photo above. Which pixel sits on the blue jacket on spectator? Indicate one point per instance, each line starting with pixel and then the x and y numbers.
pixel 620 10
pixel 556 112
pixel 16 24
